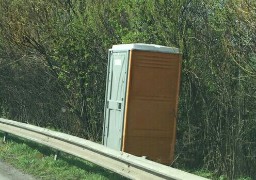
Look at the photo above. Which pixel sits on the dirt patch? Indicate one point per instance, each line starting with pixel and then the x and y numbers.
pixel 8 172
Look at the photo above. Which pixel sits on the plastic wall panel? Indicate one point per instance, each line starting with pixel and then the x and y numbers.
pixel 150 124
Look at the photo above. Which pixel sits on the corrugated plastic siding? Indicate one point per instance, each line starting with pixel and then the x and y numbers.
pixel 151 108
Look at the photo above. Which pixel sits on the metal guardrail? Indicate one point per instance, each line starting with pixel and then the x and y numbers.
pixel 125 164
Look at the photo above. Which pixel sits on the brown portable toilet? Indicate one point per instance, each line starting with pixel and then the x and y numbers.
pixel 141 101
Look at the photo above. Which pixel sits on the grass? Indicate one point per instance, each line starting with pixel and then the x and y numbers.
pixel 38 161
pixel 204 173
pixel 210 175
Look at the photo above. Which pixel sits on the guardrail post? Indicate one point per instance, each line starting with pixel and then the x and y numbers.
pixel 5 137
pixel 57 153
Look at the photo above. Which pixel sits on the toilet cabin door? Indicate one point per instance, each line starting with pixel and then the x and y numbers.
pixel 115 99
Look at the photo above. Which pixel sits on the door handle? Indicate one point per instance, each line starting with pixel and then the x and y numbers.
pixel 119 105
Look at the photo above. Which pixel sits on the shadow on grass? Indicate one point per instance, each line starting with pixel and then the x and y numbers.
pixel 92 168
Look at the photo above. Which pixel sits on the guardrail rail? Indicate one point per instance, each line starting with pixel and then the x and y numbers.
pixel 125 164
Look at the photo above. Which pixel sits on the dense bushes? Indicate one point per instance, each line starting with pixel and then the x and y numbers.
pixel 53 58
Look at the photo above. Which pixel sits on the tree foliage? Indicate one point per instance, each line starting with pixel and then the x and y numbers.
pixel 53 58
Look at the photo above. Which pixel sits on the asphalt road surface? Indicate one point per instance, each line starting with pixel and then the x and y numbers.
pixel 8 172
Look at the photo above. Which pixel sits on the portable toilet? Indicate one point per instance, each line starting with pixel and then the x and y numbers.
pixel 141 100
